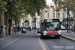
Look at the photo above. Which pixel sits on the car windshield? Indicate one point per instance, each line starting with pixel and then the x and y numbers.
pixel 52 25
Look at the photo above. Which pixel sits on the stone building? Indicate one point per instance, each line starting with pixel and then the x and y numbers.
pixel 47 12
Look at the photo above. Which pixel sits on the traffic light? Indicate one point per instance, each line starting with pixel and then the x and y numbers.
pixel 35 23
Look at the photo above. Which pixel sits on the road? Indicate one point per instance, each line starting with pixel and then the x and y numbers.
pixel 32 41
pixel 59 44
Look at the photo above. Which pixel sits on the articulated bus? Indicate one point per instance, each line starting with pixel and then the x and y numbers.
pixel 51 28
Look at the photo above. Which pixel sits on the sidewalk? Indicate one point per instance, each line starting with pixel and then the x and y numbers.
pixel 12 33
pixel 70 36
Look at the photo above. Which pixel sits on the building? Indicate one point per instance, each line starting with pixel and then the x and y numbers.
pixel 67 19
pixel 47 12
pixel 66 23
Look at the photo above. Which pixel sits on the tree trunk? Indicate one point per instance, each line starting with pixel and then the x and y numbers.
pixel 2 23
pixel 69 24
pixel 15 25
pixel 6 20
pixel 74 23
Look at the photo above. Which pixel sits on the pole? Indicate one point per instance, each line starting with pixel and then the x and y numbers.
pixel 67 17
pixel 74 23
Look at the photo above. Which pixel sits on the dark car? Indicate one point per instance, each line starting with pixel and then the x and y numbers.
pixel 38 30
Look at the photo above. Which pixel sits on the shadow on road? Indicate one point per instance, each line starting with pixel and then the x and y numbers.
pixel 48 37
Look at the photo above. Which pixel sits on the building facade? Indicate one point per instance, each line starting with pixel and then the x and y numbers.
pixel 47 12
pixel 68 21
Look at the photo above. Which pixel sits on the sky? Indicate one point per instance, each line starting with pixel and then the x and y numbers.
pixel 49 1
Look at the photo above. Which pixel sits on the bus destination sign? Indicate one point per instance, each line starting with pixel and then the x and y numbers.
pixel 52 20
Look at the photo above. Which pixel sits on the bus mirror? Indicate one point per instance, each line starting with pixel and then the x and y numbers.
pixel 60 22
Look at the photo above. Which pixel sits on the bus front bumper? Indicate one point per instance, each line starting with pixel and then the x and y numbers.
pixel 51 35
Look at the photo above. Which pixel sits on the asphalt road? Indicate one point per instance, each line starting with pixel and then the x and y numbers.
pixel 32 41
pixel 28 41
pixel 59 44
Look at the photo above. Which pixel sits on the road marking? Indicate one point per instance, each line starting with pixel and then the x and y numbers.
pixel 10 42
pixel 46 46
pixel 42 45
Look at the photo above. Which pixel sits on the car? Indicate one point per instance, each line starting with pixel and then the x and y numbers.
pixel 63 28
pixel 38 30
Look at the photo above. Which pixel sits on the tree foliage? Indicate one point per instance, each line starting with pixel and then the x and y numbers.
pixel 2 5
pixel 70 4
pixel 15 8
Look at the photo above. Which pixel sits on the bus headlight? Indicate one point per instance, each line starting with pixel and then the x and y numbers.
pixel 45 32
pixel 59 32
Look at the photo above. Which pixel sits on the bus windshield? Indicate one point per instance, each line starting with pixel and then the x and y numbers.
pixel 52 25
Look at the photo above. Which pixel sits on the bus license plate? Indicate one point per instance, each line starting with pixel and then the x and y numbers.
pixel 52 36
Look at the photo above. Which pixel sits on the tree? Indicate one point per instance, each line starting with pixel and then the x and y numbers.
pixel 2 9
pixel 15 8
pixel 72 3
pixel 65 4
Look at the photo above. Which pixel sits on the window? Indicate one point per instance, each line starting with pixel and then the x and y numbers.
pixel 52 25
pixel 63 10
pixel 53 10
pixel 53 15
pixel 63 15
pixel 41 16
pixel 58 15
pixel 48 15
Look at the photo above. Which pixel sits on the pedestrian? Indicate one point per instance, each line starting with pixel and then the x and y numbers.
pixel 29 28
pixel 35 28
pixel 1 31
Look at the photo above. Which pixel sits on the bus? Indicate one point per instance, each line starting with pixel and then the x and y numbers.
pixel 51 28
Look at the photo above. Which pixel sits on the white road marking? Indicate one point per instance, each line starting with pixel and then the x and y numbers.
pixel 10 42
pixel 46 46
pixel 42 45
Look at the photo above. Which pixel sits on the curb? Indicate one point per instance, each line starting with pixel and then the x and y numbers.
pixel 69 38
